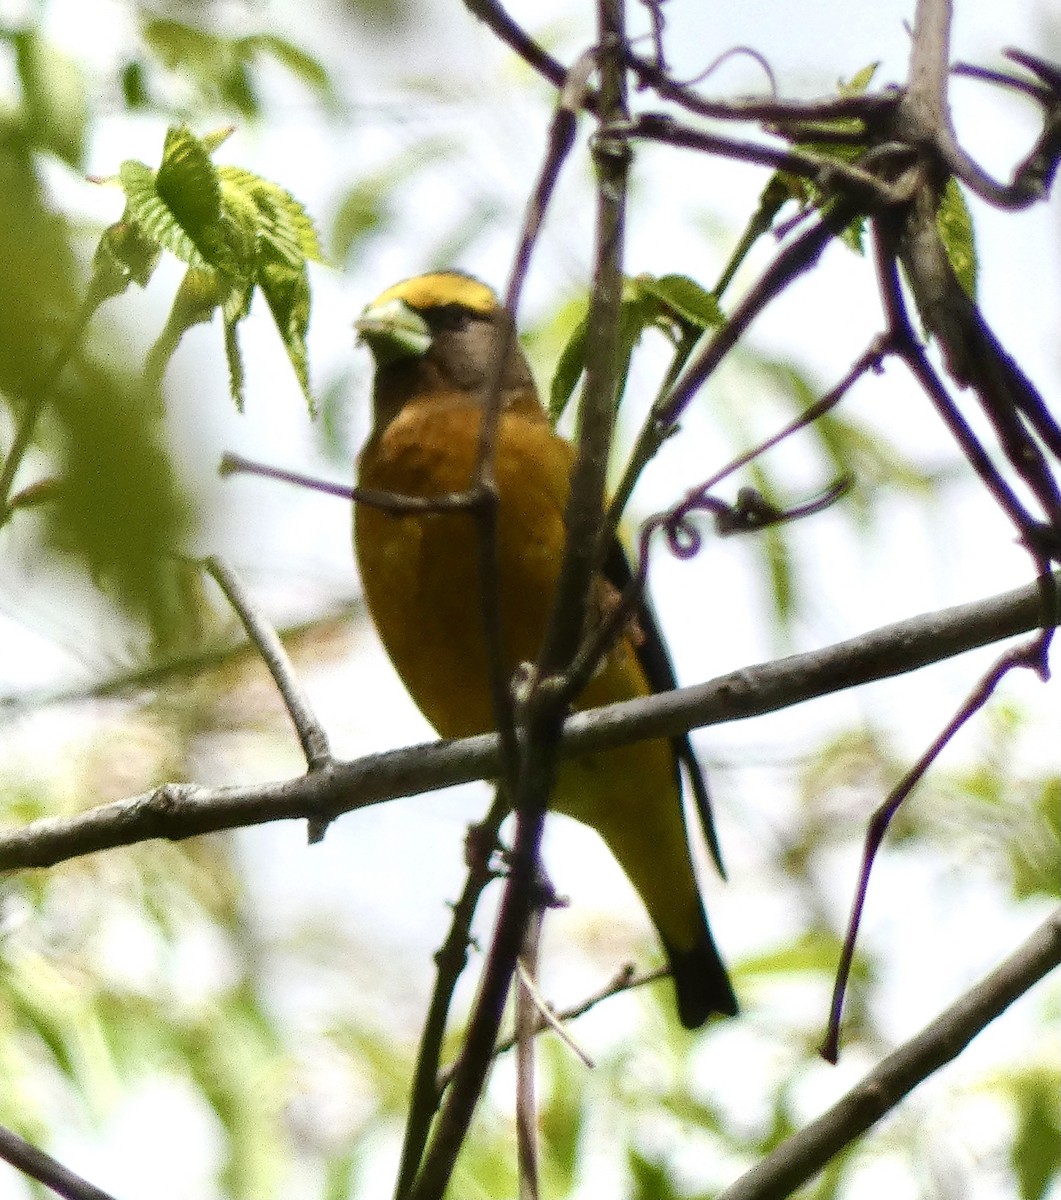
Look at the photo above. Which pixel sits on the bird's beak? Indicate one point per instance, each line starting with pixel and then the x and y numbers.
pixel 392 331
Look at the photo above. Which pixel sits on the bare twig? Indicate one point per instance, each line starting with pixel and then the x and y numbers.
pixel 625 980
pixel 682 537
pixel 800 1158
pixel 832 175
pixel 794 259
pixel 491 13
pixel 773 110
pixel 1040 538
pixel 392 502
pixel 263 636
pixel 561 139
pixel 543 1017
pixel 1022 656
pixel 1032 177
pixel 527 996
pixel 451 960
pixel 42 1167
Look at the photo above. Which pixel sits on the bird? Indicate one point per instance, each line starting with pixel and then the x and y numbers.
pixel 433 339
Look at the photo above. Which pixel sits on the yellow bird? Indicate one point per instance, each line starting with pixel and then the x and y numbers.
pixel 432 338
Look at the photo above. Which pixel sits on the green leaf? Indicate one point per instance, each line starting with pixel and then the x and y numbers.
pixel 178 44
pixel 123 256
pixel 301 64
pixel 568 372
pixel 1036 1151
pixel 145 208
pixel 54 95
pixel 859 82
pixel 237 232
pixel 187 183
pixel 955 224
pixel 120 509
pixel 134 85
pixel 201 292
pixel 279 218
pixel 684 299
pixel 287 292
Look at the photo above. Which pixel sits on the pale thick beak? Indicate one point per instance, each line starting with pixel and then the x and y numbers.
pixel 393 331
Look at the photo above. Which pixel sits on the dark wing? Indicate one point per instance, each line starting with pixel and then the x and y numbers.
pixel 659 670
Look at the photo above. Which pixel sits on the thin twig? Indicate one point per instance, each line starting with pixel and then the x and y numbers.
pixel 625 980
pixel 392 502
pixel 561 139
pixel 831 174
pixel 794 259
pixel 526 1016
pixel 544 1017
pixel 676 520
pixel 263 636
pixel 491 13
pixel 869 107
pixel 451 959
pixel 1022 656
pixel 800 1158
pixel 45 1169
pixel 909 348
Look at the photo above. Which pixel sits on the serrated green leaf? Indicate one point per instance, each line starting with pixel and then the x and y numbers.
pixel 278 217
pixel 145 208
pixel 287 292
pixel 955 224
pixel 234 358
pixel 187 184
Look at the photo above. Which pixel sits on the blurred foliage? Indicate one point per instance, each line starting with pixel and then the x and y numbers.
pixel 153 964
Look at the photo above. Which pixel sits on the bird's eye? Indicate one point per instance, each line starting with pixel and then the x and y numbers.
pixel 453 317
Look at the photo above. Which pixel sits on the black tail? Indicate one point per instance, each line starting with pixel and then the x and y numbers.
pixel 701 984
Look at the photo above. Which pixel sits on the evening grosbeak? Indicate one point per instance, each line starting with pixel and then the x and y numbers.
pixel 433 338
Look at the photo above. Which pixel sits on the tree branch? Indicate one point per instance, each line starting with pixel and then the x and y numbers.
pixel 803 1155
pixel 264 638
pixel 178 811
pixel 45 1169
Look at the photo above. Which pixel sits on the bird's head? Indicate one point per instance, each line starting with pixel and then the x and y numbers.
pixel 441 334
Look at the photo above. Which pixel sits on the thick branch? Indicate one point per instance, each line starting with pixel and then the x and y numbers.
pixel 177 811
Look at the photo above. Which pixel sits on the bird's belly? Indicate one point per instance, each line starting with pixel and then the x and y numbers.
pixel 422 573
